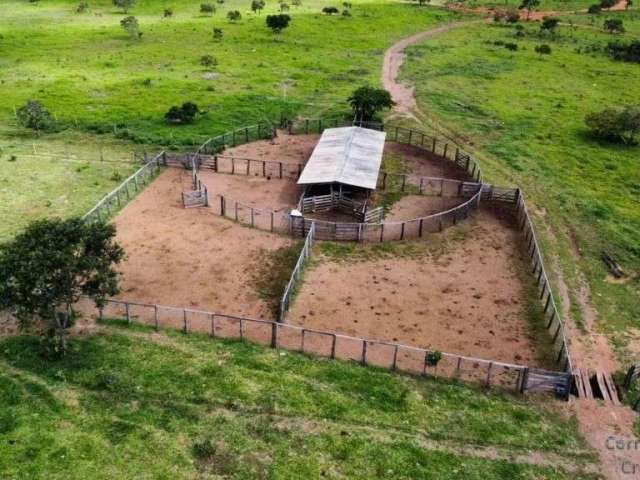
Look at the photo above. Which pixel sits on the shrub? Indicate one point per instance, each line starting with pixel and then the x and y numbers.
pixel 234 16
pixel 549 24
pixel 329 10
pixel 207 9
pixel 208 61
pixel 277 23
pixel 124 5
pixel 499 15
pixel 615 124
pixel 131 26
pixel 594 9
pixel 614 25
pixel 347 4
pixel 346 13
pixel 433 358
pixel 34 115
pixel 608 3
pixel 529 5
pixel 217 34
pixel 296 3
pixel 512 15
pixel 82 7
pixel 626 52
pixel 168 12
pixel 543 49
pixel 511 46
pixel 183 114
pixel 284 7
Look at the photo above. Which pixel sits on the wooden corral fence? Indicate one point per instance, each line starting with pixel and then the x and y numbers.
pixel 296 274
pixel 513 198
pixel 337 201
pixel 387 231
pixel 392 356
pixel 278 221
pixel 126 190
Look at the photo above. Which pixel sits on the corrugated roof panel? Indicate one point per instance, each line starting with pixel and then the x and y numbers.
pixel 349 155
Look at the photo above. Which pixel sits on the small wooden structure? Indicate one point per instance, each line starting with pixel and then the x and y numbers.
pixel 344 165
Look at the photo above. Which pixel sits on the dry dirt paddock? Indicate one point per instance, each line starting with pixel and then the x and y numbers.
pixel 191 257
pixel 466 297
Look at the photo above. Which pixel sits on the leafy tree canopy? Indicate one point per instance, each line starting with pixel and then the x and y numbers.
pixel 367 101
pixel 279 22
pixel 34 115
pixel 49 266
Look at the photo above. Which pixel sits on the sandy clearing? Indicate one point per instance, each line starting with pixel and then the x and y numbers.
pixel 469 300
pixel 189 258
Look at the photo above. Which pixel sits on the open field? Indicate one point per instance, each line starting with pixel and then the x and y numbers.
pixel 464 291
pixel 216 408
pixel 87 71
pixel 60 176
pixel 524 116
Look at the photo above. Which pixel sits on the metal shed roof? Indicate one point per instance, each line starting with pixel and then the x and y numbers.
pixel 349 155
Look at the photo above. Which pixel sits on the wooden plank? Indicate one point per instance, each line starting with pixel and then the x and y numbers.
pixel 613 391
pixel 587 384
pixel 603 387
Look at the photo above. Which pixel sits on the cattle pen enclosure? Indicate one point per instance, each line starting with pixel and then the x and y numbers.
pixel 210 261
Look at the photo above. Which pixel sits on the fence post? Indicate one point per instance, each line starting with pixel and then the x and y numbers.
pixel 274 335
pixel 212 317
pixel 184 319
pixel 525 378
pixel 333 346
pixel 126 307
pixel 364 352
pixel 155 317
pixel 395 359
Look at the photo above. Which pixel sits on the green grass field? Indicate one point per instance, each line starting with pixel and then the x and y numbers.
pixel 86 69
pixel 130 403
pixel 545 5
pixel 523 114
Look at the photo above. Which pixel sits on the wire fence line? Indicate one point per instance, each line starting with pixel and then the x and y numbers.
pixel 389 355
pixel 296 274
pixel 545 293
pixel 122 193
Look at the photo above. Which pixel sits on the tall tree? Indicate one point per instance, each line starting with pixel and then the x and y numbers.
pixel 367 101
pixel 47 268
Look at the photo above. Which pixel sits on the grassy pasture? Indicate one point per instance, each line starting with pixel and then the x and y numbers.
pixel 87 71
pixel 57 175
pixel 523 114
pixel 216 408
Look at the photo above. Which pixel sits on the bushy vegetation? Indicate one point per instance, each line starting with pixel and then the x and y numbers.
pixel 34 115
pixel 616 124
pixel 186 113
pixel 45 270
pixel 625 51
pixel 277 23
pixel 367 102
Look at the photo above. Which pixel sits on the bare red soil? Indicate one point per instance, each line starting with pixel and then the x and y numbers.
pixel 468 300
pixel 192 257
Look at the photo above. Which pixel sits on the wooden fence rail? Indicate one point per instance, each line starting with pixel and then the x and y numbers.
pixel 121 194
pixel 389 355
pixel 296 274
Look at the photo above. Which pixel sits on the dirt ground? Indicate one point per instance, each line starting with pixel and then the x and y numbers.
pixel 259 192
pixel 468 300
pixel 191 258
pixel 415 206
pixel 284 148
pixel 425 164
